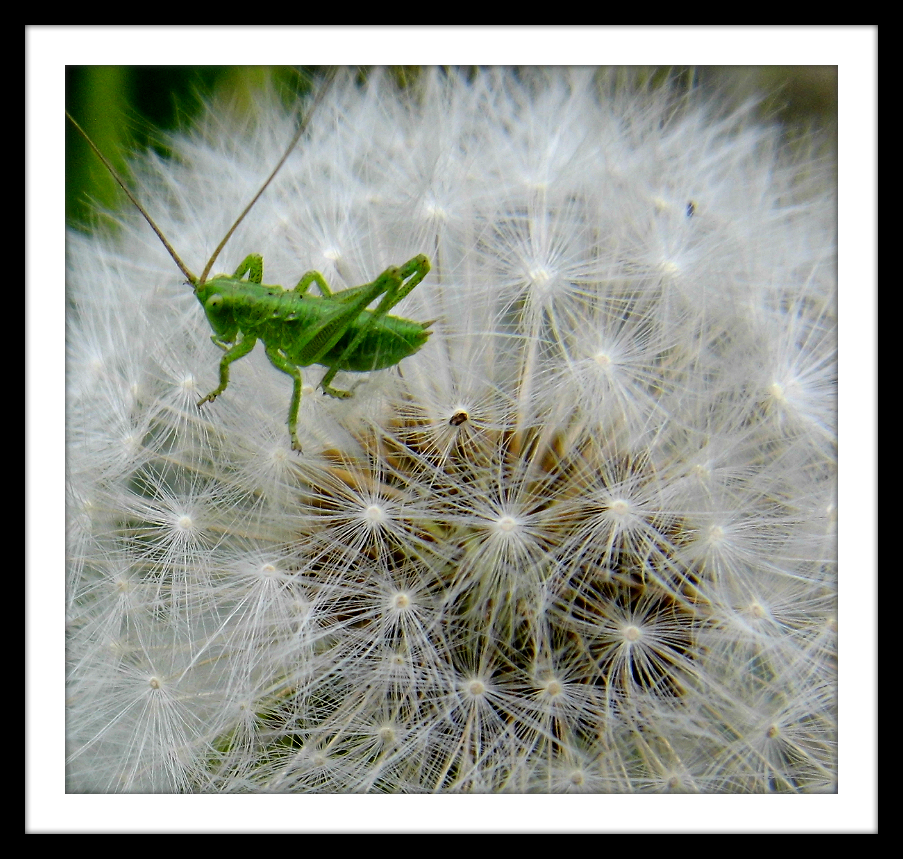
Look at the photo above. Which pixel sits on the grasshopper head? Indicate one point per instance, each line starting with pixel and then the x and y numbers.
pixel 215 297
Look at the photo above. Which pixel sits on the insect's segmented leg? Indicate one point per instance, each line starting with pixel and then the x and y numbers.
pixel 419 267
pixel 313 277
pixel 280 362
pixel 317 340
pixel 252 265
pixel 387 283
pixel 328 389
pixel 239 350
pixel 225 345
pixel 416 269
pixel 343 297
pixel 395 290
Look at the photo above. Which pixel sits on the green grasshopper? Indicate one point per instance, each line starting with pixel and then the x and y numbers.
pixel 334 329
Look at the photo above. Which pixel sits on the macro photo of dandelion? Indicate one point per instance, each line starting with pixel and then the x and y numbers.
pixel 581 540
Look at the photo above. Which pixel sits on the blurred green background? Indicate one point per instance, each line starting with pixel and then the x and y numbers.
pixel 124 108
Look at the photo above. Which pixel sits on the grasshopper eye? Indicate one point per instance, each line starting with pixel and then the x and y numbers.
pixel 214 302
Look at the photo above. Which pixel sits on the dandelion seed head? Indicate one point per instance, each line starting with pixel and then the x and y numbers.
pixel 188 384
pixel 553 688
pixel 401 601
pixel 631 634
pixel 715 536
pixel 374 514
pixel 670 268
pixel 434 211
pixel 506 524
pixel 474 687
pixel 184 523
pixel 583 540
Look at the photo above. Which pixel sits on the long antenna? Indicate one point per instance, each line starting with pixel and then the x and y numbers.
pixel 301 129
pixel 194 281
pixel 191 278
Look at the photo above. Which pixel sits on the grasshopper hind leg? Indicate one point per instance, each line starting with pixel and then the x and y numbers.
pixel 393 284
pixel 328 389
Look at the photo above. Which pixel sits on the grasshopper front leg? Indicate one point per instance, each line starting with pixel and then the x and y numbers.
pixel 252 266
pixel 233 353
